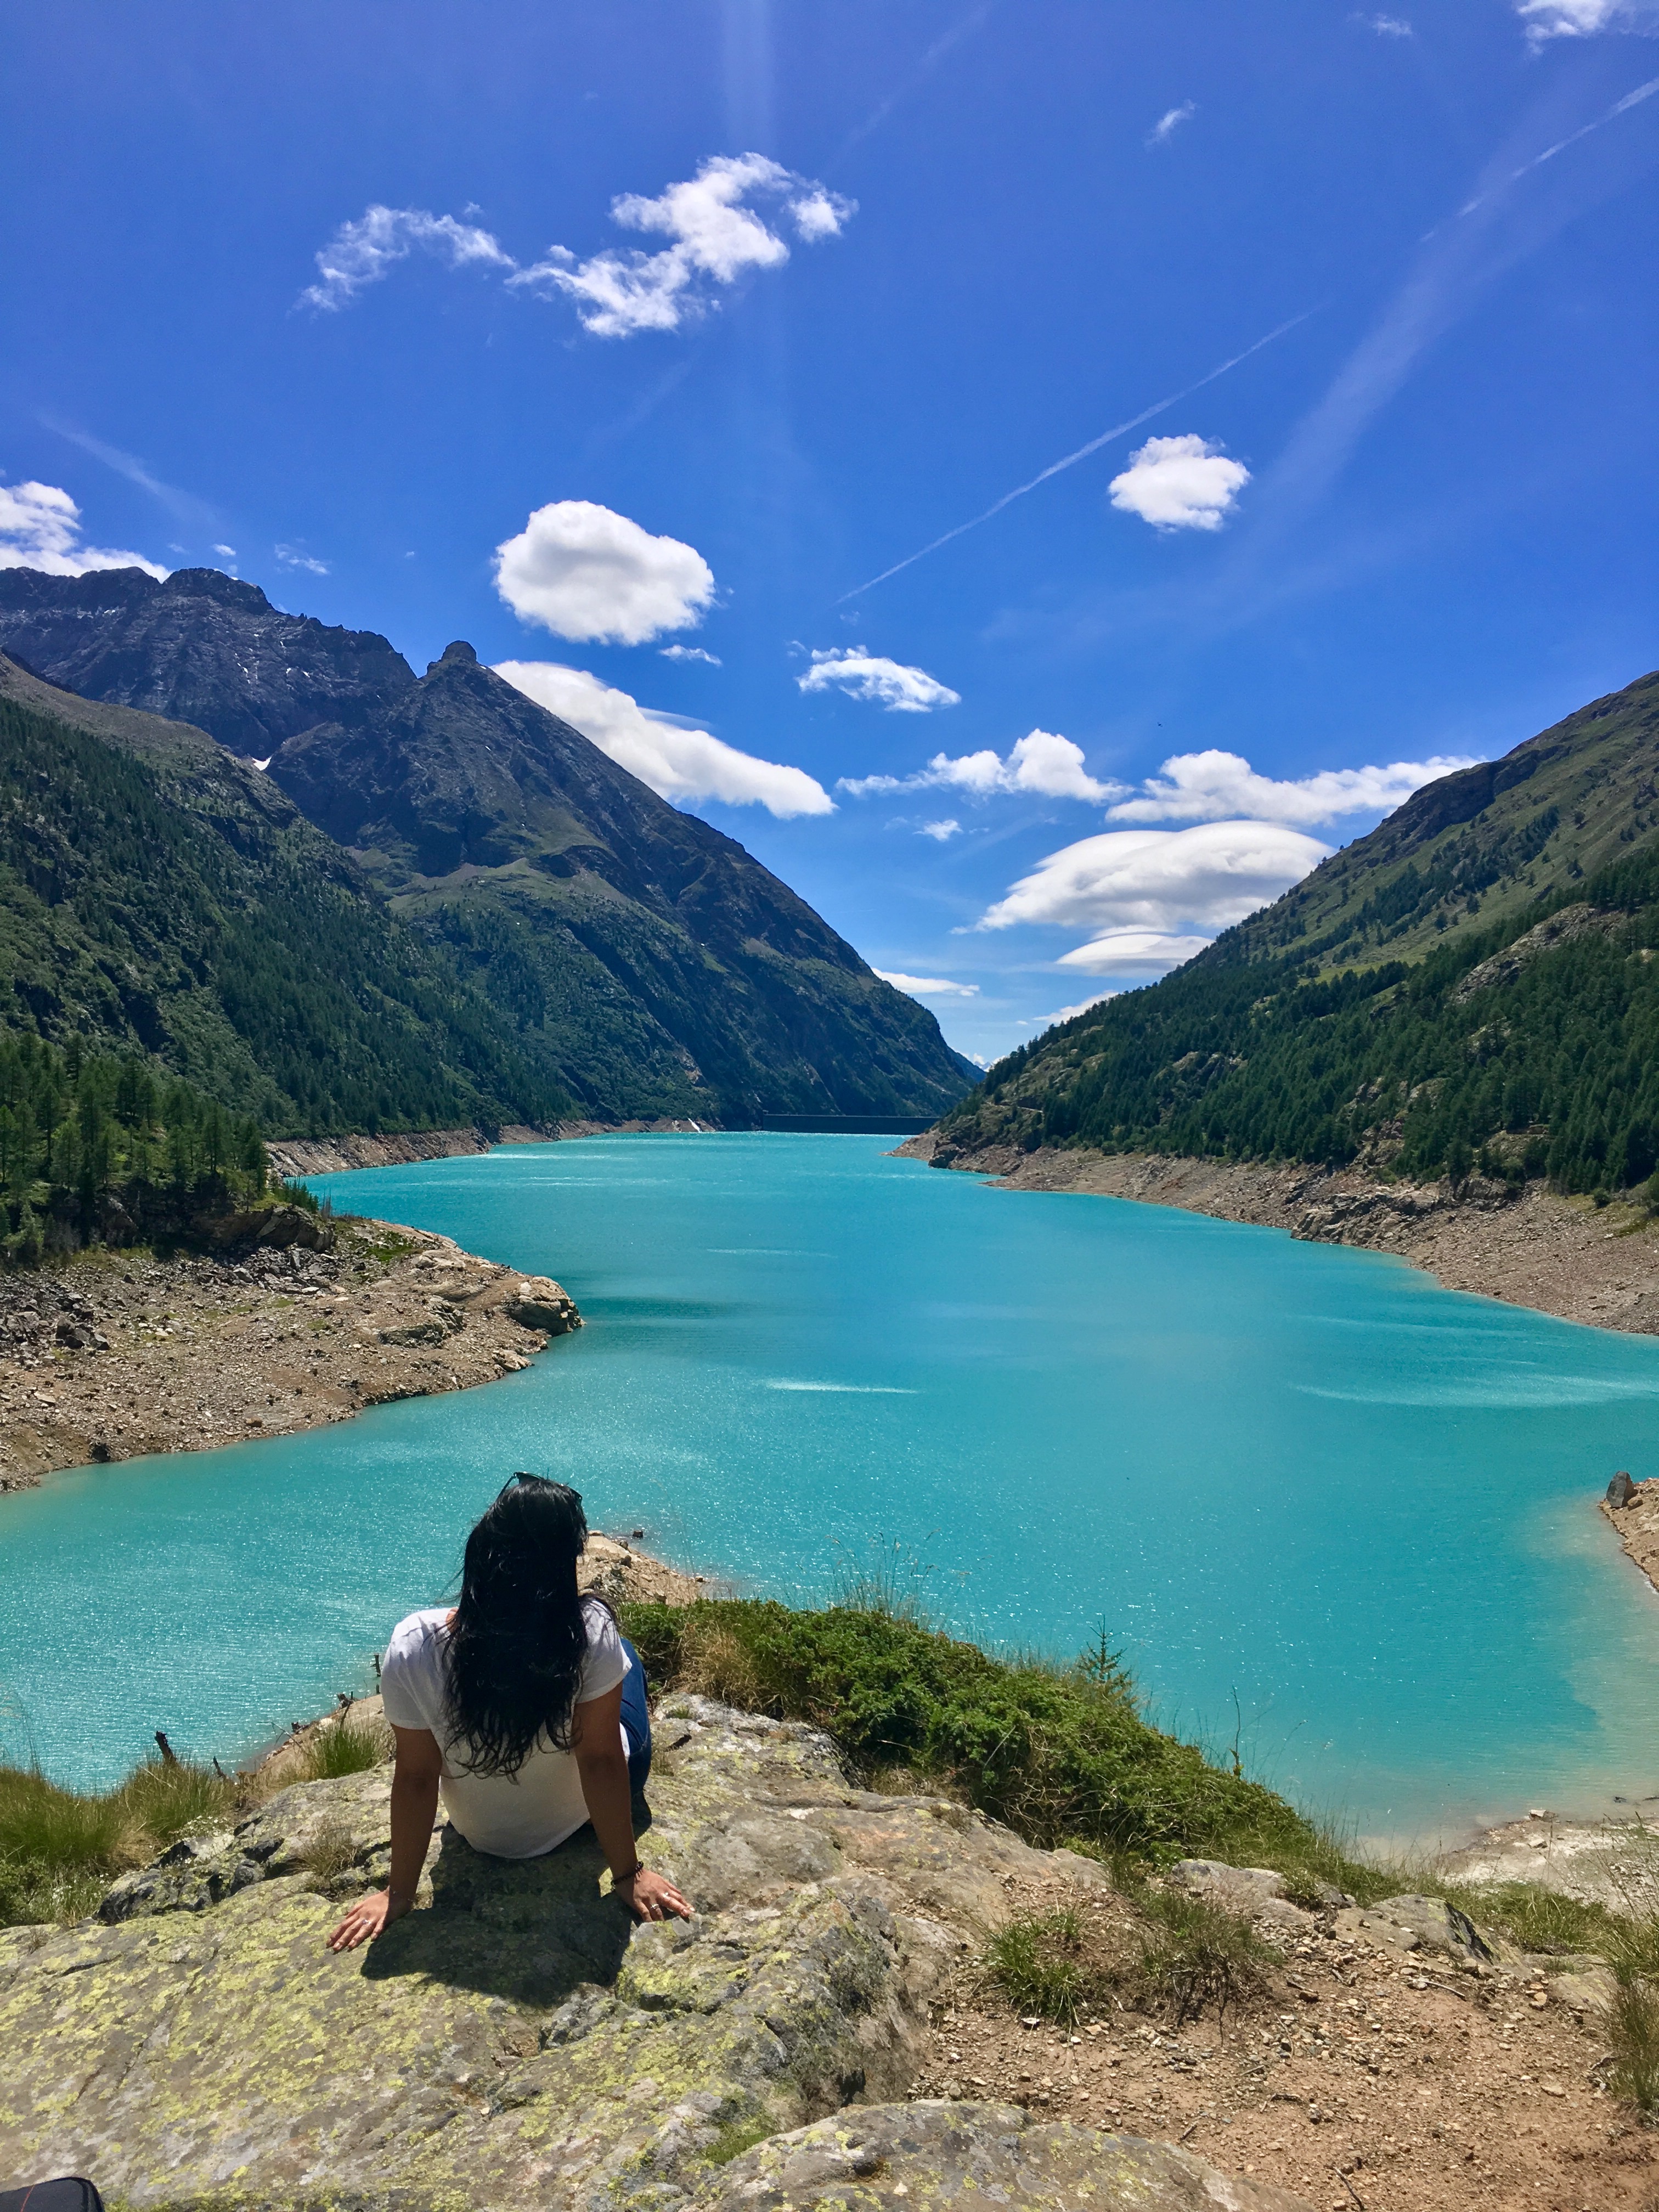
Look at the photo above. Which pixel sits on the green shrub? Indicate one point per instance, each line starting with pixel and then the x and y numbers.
pixel 1057 1753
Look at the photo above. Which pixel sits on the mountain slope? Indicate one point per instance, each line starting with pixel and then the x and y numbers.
pixel 671 972
pixel 1345 1023
pixel 646 959
pixel 159 896
pixel 1478 848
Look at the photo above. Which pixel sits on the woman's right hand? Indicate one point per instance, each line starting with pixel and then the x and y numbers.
pixel 651 1896
pixel 367 1919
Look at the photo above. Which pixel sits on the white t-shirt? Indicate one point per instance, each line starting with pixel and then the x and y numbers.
pixel 517 1816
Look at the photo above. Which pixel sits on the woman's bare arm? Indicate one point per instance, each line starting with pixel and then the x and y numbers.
pixel 596 1739
pixel 414 1808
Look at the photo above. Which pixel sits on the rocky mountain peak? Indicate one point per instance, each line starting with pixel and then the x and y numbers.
pixel 459 651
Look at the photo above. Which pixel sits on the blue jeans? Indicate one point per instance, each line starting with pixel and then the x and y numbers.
pixel 636 1720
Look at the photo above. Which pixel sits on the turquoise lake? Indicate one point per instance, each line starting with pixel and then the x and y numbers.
pixel 1301 1477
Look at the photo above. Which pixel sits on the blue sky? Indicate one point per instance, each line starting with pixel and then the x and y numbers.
pixel 644 418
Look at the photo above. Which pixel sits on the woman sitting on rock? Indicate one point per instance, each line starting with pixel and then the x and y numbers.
pixel 524 1707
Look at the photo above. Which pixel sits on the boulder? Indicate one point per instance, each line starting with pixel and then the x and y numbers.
pixel 935 2157
pixel 517 2039
pixel 1622 1491
pixel 1408 1923
pixel 276 1227
pixel 539 1302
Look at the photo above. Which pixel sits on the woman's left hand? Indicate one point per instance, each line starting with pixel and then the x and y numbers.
pixel 651 1896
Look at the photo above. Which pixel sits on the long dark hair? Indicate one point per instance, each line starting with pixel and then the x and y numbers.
pixel 517 1638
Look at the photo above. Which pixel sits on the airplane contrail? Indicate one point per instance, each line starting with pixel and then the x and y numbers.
pixel 1117 431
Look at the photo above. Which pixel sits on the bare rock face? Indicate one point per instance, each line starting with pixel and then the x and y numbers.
pixel 934 2157
pixel 540 1302
pixel 518 2041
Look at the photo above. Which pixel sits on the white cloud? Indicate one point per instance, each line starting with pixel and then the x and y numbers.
pixel 1133 952
pixel 586 573
pixel 1169 122
pixel 1070 1013
pixel 1209 786
pixel 362 253
pixel 888 683
pixel 41 528
pixel 1179 483
pixel 678 763
pixel 689 653
pixel 1387 26
pixel 291 557
pixel 941 832
pixel 929 986
pixel 1581 19
pixel 1039 763
pixel 225 552
pixel 1160 880
pixel 715 238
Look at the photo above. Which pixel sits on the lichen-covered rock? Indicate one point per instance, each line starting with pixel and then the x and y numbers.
pixel 941 2158
pixel 517 2040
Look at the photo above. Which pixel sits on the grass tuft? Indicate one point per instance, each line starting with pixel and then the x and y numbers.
pixel 737 2136
pixel 61 1849
pixel 1632 2025
pixel 344 1747
pixel 1035 1960
pixel 330 1854
pixel 1193 1954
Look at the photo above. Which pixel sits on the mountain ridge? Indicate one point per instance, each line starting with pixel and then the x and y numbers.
pixel 644 958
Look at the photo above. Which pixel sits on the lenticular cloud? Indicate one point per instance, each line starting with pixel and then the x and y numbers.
pixel 681 765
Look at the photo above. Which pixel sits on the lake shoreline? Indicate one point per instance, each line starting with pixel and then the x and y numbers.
pixel 120 1355
pixel 1558 1255
pixel 344 1155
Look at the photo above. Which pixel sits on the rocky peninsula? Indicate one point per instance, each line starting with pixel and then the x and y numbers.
pixel 1529 1247
pixel 295 1320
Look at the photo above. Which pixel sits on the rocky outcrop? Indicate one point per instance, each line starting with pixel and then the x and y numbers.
pixel 516 2040
pixel 935 2157
pixel 201 647
pixel 1564 928
pixel 1634 1509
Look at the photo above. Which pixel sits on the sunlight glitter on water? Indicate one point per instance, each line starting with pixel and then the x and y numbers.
pixel 1298 1474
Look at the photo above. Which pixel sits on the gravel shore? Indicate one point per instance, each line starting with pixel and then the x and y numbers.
pixel 116 1354
pixel 1558 1255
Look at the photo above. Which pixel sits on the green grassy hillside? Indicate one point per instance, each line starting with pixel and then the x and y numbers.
pixel 1475 983
pixel 158 897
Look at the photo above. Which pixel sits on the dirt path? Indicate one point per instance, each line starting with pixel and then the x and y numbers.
pixel 122 1353
pixel 1558 1255
pixel 1365 2079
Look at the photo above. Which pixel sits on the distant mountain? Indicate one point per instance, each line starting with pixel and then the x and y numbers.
pixel 1475 983
pixel 158 895
pixel 646 960
pixel 201 647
